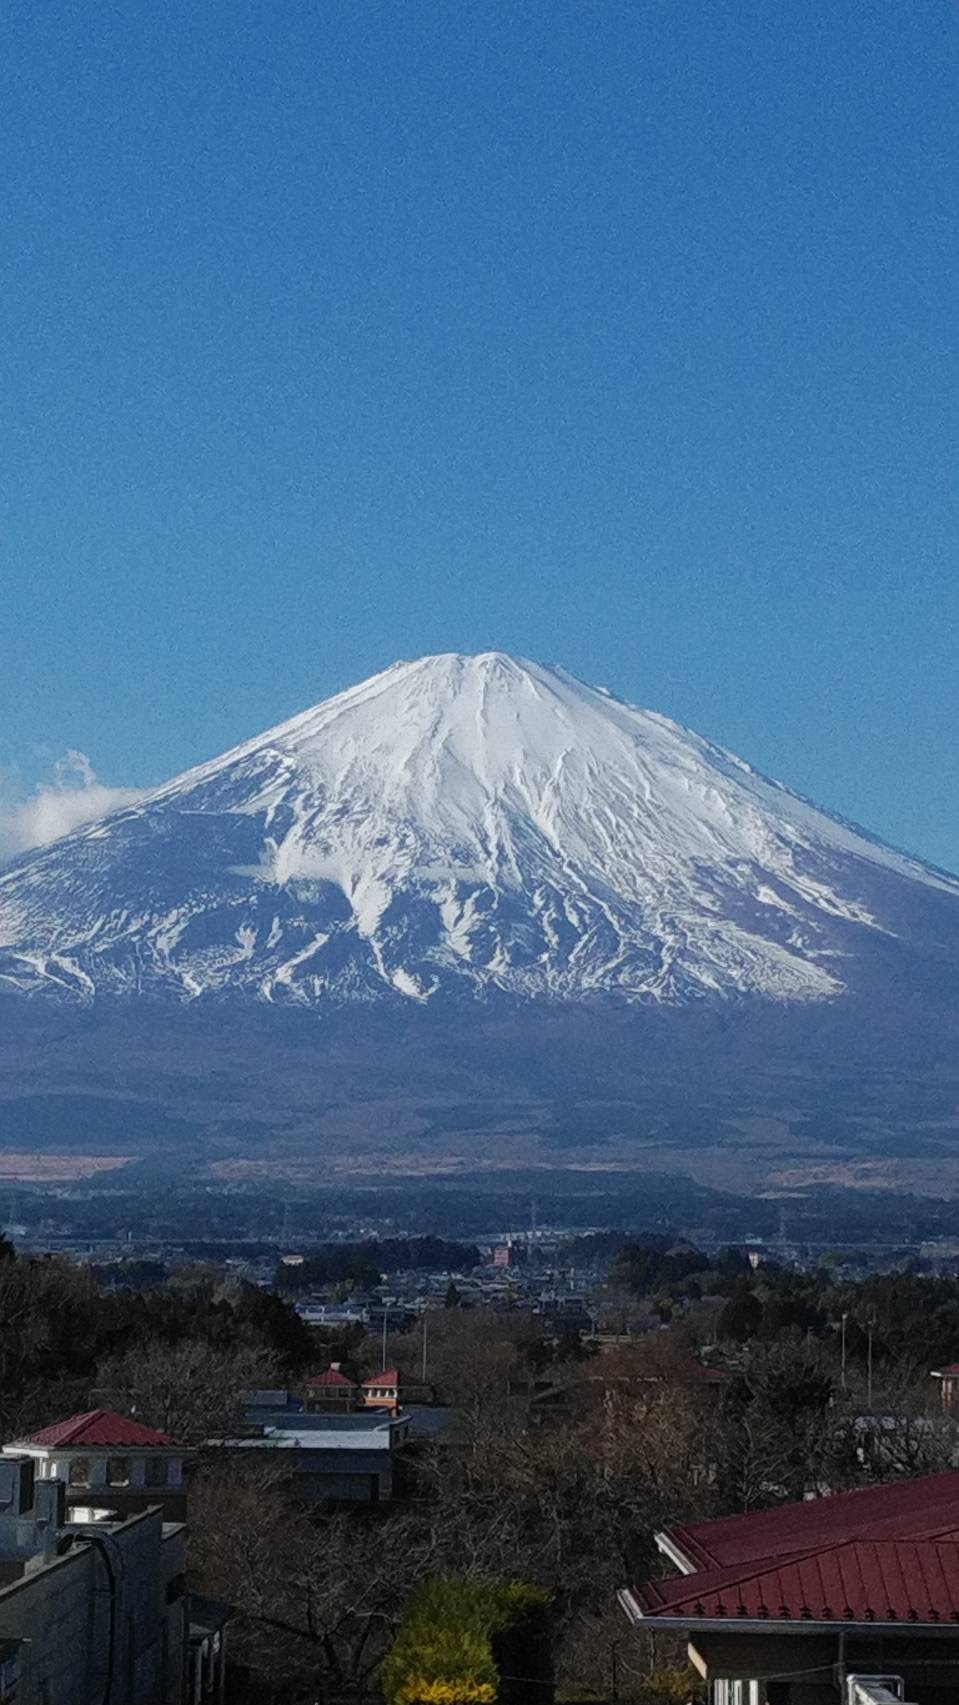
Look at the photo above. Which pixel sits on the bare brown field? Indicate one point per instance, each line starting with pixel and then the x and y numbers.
pixel 753 1170
pixel 57 1168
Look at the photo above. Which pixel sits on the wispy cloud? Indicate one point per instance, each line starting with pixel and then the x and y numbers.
pixel 71 795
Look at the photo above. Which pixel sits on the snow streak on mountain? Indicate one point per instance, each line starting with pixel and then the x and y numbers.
pixel 475 824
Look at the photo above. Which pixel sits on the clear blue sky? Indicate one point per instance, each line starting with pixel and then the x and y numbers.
pixel 620 333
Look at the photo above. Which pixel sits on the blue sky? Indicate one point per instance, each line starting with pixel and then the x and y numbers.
pixel 620 333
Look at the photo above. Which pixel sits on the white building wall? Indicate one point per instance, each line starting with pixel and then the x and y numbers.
pixel 56 1465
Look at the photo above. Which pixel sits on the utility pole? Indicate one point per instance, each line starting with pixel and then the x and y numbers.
pixel 869 1328
pixel 386 1316
pixel 426 1333
pixel 843 1351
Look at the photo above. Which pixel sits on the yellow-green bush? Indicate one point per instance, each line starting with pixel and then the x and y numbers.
pixel 443 1653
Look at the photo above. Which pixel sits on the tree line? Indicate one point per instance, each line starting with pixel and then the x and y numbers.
pixel 363 1264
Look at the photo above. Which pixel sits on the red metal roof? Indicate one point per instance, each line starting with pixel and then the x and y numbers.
pixel 332 1376
pixel 100 1429
pixel 950 1372
pixel 906 1509
pixel 389 1376
pixel 862 1581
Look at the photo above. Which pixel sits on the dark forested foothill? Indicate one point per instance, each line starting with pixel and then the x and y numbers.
pixel 63 1337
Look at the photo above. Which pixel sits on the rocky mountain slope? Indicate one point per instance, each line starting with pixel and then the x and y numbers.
pixel 473 827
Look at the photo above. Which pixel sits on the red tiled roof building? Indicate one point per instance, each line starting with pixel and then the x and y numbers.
pixel 382 1391
pixel 782 1606
pixel 109 1461
pixel 331 1390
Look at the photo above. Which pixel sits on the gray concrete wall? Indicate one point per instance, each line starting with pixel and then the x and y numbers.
pixel 79 1627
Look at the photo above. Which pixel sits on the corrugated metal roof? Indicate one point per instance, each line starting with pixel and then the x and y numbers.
pixel 906 1509
pixel 903 1581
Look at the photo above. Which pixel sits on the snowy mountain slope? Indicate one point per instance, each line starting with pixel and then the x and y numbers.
pixel 468 825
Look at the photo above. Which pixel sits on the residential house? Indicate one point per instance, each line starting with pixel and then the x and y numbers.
pixel 109 1462
pixel 854 1596
pixel 332 1314
pixel 632 1374
pixel 331 1392
pixel 330 1458
pixel 948 1378
pixel 382 1391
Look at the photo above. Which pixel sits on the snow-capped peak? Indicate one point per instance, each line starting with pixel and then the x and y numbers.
pixel 460 821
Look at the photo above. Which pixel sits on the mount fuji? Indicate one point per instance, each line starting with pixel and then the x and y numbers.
pixel 476 825
pixel 507 853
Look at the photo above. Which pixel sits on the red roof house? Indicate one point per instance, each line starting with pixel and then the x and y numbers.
pixel 331 1390
pixel 382 1390
pixel 784 1606
pixel 109 1462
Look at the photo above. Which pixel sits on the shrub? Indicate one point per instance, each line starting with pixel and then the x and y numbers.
pixel 444 1651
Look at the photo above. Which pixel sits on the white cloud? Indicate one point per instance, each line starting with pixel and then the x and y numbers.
pixel 73 795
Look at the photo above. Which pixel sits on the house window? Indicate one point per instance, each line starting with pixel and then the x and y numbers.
pixel 27 1474
pixel 156 1471
pixel 118 1471
pixel 80 1471
pixel 734 1692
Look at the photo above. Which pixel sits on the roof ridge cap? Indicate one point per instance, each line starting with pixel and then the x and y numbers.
pixel 75 1424
pixel 738 1574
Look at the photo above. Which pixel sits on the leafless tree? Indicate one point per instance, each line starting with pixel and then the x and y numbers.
pixel 190 1390
pixel 318 1598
